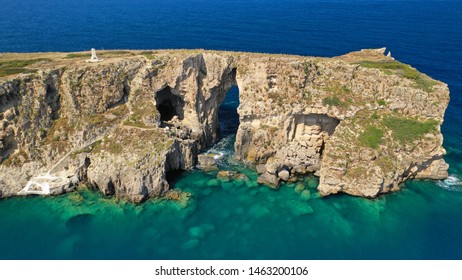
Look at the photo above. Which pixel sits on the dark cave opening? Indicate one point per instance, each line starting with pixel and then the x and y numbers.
pixel 169 104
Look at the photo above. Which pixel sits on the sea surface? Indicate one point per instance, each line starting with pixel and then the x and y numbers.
pixel 241 219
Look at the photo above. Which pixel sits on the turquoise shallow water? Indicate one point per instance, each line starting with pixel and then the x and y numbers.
pixel 234 220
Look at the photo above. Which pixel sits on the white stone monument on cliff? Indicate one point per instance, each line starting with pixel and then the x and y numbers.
pixel 93 58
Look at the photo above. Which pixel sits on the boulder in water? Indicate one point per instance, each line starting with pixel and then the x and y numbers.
pixel 284 174
pixel 207 162
pixel 268 179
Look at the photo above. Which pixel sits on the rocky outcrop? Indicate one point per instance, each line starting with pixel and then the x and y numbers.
pixel 363 122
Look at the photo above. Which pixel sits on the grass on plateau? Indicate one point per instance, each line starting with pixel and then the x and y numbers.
pixel 406 130
pixel 11 67
pixel 371 137
pixel 395 67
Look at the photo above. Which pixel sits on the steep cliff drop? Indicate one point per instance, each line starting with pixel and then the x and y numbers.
pixel 363 122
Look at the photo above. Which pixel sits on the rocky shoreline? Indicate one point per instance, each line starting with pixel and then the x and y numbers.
pixel 363 122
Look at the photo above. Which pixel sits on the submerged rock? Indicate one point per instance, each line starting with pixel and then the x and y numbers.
pixel 79 221
pixel 179 196
pixel 299 208
pixel 305 195
pixel 190 244
pixel 213 183
pixel 226 175
pixel 258 211
pixel 201 231
pixel 299 188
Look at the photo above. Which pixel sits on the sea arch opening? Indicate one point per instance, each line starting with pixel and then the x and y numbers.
pixel 225 118
pixel 228 118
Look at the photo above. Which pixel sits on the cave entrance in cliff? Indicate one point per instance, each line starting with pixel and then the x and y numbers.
pixel 169 104
pixel 227 114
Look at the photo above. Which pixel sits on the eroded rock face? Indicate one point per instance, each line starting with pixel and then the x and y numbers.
pixel 363 122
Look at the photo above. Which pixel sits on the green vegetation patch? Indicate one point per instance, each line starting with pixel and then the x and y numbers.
pixel 346 89
pixel 116 53
pixel 332 101
pixel 77 55
pixel 103 53
pixel 406 129
pixel 149 55
pixel 382 102
pixel 395 67
pixel 371 137
pixel 11 67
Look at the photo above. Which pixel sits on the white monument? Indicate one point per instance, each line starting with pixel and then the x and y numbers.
pixel 93 58
pixel 389 55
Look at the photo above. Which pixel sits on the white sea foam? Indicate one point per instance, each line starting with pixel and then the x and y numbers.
pixel 218 155
pixel 452 183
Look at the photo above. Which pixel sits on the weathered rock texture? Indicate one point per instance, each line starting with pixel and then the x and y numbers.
pixel 362 122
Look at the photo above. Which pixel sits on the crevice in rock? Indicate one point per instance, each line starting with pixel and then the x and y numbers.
pixel 8 145
pixel 82 171
pixel 10 99
pixel 52 98
pixel 110 190
pixel 169 104
pixel 124 99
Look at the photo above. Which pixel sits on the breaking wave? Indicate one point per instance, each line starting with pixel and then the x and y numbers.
pixel 452 183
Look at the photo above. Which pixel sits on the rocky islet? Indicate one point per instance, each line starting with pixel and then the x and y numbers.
pixel 363 122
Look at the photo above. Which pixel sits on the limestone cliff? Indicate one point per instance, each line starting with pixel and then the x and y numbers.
pixel 363 122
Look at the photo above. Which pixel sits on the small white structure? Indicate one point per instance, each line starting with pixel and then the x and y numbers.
pixel 93 58
pixel 389 55
pixel 45 184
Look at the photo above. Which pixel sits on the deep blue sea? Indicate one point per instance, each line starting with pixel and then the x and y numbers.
pixel 243 220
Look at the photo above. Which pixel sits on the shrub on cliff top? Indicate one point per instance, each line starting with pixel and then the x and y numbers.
pixel 371 137
pixel 406 130
pixel 331 101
